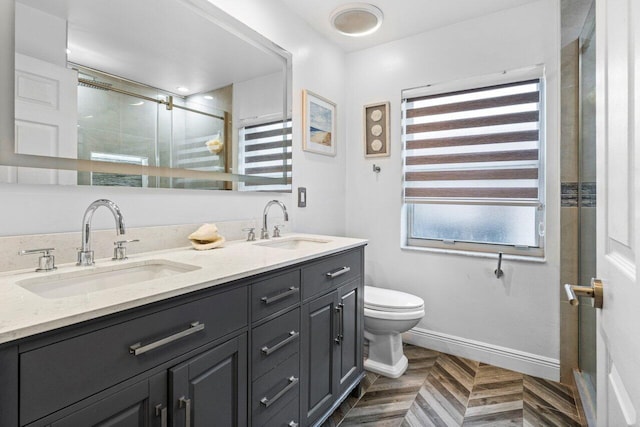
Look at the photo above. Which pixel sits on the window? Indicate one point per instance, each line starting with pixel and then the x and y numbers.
pixel 472 168
pixel 265 151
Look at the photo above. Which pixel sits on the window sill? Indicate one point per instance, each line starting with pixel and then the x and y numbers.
pixel 523 258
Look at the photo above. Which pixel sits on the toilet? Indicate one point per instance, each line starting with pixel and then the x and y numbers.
pixel 387 314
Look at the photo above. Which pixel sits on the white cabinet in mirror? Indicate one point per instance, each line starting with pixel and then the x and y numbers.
pixel 172 94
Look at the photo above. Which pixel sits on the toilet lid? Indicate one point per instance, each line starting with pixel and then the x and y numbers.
pixel 390 300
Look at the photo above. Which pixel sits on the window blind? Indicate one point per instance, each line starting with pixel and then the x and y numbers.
pixel 474 145
pixel 265 150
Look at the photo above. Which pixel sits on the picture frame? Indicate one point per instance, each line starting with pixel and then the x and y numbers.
pixel 318 124
pixel 376 129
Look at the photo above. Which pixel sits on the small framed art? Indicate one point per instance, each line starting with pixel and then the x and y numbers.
pixel 376 130
pixel 318 124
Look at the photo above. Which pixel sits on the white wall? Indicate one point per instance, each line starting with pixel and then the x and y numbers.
pixel 468 309
pixel 318 66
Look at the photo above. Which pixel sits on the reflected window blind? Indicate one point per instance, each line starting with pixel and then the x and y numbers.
pixel 474 145
pixel 265 150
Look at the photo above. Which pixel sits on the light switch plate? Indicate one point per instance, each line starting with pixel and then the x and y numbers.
pixel 302 197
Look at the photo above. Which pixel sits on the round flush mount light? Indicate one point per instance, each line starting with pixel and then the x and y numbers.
pixel 356 19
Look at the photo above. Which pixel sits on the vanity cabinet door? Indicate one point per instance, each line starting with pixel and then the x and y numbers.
pixel 141 405
pixel 319 388
pixel 350 307
pixel 211 388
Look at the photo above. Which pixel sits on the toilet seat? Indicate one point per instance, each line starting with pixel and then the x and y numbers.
pixel 388 300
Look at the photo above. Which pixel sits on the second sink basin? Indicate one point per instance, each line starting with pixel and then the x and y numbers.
pixel 84 281
pixel 293 242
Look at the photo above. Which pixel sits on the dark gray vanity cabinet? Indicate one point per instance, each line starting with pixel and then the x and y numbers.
pixel 332 329
pixel 211 387
pixel 282 348
pixel 142 404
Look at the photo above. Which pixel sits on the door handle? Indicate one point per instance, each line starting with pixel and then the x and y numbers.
pixel 594 291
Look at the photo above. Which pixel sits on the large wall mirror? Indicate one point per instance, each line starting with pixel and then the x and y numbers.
pixel 145 93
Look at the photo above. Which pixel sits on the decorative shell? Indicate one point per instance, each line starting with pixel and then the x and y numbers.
pixel 214 146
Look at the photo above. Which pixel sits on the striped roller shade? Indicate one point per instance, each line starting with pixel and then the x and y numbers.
pixel 265 150
pixel 474 145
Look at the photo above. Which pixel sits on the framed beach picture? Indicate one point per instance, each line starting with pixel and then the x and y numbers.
pixel 318 124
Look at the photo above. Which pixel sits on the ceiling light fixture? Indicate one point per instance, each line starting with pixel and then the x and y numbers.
pixel 182 89
pixel 356 19
pixel 209 97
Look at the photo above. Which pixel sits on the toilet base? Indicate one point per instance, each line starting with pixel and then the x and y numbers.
pixel 385 354
pixel 391 371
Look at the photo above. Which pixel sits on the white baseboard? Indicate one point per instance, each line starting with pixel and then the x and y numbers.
pixel 515 360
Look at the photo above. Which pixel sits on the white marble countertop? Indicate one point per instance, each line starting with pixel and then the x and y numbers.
pixel 24 313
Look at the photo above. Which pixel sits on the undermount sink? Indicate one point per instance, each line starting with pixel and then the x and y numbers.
pixel 85 281
pixel 293 243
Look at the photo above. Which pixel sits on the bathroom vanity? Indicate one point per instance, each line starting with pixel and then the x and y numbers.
pixel 253 334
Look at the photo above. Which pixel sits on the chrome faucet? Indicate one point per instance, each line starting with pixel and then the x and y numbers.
pixel 264 234
pixel 85 254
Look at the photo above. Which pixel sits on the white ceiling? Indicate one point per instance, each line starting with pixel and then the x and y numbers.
pixel 402 18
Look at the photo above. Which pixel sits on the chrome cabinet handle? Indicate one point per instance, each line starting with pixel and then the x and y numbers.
pixel 292 383
pixel 162 413
pixel 340 272
pixel 138 349
pixel 293 335
pixel 341 334
pixel 268 300
pixel 339 308
pixel 186 403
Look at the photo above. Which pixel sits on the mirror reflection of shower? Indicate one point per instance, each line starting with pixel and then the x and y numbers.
pixel 127 122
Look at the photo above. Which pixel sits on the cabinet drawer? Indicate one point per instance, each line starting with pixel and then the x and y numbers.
pixel 330 272
pixel 276 293
pixel 287 417
pixel 65 372
pixel 274 342
pixel 274 390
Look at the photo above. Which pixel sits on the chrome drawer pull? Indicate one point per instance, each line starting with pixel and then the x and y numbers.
pixel 138 348
pixel 292 290
pixel 293 335
pixel 292 424
pixel 340 272
pixel 292 383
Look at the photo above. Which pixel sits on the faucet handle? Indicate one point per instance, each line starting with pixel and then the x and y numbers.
pixel 276 230
pixel 251 235
pixel 46 262
pixel 120 250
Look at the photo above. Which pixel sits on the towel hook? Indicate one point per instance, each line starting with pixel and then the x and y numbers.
pixel 498 271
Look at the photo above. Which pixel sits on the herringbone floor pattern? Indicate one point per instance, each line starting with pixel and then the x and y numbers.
pixel 443 390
